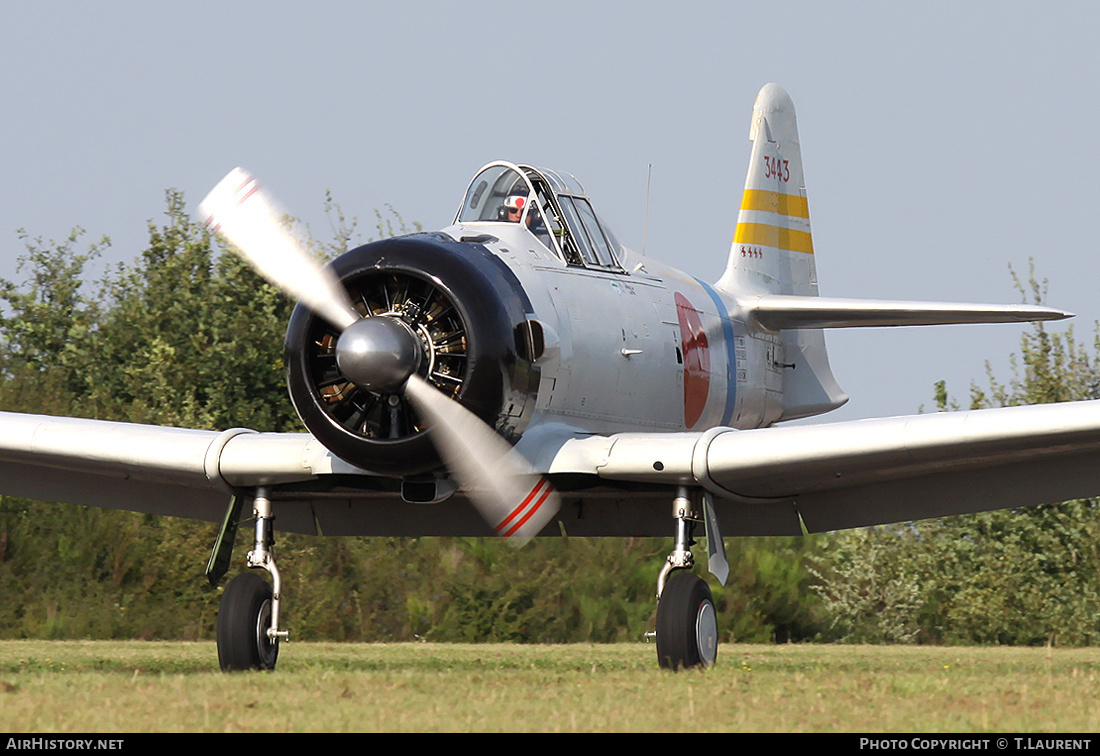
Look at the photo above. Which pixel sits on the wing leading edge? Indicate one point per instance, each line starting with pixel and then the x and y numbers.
pixel 866 472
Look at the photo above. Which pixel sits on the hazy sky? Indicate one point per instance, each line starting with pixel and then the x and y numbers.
pixel 942 141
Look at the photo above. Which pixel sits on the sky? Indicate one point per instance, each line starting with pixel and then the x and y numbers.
pixel 943 142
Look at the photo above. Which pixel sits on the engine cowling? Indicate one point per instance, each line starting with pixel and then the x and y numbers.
pixel 468 311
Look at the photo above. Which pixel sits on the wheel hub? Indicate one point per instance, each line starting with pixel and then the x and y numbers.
pixel 706 633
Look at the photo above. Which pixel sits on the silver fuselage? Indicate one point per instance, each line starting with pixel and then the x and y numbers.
pixel 645 346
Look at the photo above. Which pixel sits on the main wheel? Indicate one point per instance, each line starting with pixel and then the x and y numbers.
pixel 244 616
pixel 687 626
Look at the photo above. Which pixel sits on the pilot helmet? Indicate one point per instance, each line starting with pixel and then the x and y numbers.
pixel 515 201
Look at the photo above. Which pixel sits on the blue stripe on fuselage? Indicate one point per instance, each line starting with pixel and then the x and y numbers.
pixel 731 353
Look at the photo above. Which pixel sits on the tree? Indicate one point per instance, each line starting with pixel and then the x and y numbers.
pixel 47 324
pixel 192 337
pixel 869 594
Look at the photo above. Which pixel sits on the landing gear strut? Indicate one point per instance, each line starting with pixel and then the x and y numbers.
pixel 687 624
pixel 248 616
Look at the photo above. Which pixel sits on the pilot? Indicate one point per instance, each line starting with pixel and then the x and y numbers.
pixel 512 211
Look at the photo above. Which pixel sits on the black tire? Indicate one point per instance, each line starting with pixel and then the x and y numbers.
pixel 687 628
pixel 244 616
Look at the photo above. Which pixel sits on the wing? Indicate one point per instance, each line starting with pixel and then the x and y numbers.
pixel 144 468
pixel 771 481
pixel 193 474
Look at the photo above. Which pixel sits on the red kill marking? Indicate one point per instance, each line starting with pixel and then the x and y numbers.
pixel 696 360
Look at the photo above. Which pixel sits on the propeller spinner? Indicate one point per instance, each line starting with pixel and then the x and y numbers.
pixel 382 353
pixel 378 353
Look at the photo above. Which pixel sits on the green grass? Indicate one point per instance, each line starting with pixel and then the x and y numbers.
pixel 108 686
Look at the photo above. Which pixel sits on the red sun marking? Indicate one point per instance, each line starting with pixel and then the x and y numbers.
pixel 696 360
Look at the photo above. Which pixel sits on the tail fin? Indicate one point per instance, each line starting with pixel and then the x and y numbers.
pixel 772 250
pixel 771 275
pixel 773 253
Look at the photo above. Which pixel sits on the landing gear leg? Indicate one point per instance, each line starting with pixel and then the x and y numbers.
pixel 687 625
pixel 248 616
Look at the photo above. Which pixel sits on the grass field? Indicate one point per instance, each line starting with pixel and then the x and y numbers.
pixel 107 686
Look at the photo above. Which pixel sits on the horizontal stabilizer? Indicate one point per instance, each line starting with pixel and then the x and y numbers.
pixel 776 312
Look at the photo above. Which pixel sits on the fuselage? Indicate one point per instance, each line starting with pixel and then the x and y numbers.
pixel 644 346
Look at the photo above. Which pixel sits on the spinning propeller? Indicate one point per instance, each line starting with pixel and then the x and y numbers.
pixel 382 353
